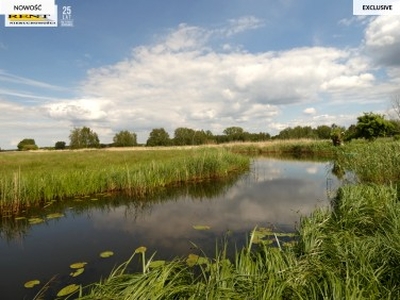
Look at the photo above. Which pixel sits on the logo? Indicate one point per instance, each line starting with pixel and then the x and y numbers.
pixel 66 17
pixel 32 20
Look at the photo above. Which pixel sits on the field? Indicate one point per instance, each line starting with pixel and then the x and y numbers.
pixel 36 178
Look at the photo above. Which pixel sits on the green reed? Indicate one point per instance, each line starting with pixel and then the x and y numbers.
pixel 31 179
pixel 374 162
pixel 296 148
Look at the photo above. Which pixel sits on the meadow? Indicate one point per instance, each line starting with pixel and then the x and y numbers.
pixel 34 179
pixel 350 250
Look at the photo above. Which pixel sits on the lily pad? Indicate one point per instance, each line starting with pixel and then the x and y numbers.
pixel 54 216
pixel 201 227
pixel 20 218
pixel 69 289
pixel 77 272
pixel 34 221
pixel 31 284
pixel 106 254
pixel 141 249
pixel 78 265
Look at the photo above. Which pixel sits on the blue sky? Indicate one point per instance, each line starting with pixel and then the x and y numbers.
pixel 204 64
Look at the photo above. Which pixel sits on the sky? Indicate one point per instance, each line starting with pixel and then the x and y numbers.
pixel 202 64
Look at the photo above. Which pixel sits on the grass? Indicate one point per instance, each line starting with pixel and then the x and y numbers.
pixel 296 148
pixel 33 179
pixel 372 162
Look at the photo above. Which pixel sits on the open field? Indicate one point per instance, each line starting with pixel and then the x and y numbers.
pixel 34 178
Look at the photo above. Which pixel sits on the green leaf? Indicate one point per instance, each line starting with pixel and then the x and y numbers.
pixel 69 289
pixel 194 259
pixel 141 249
pixel 201 227
pixel 106 254
pixel 156 263
pixel 77 272
pixel 31 284
pixel 78 265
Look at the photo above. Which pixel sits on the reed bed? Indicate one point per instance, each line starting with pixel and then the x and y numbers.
pixel 33 179
pixel 373 162
pixel 296 148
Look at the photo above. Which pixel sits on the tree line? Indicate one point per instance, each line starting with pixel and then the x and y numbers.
pixel 369 126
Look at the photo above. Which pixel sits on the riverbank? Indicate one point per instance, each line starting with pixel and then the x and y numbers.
pixel 32 179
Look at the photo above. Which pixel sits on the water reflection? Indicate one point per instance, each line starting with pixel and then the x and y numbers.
pixel 274 192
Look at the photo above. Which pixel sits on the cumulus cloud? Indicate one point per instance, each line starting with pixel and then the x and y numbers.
pixel 182 81
pixel 80 110
pixel 310 111
pixel 382 40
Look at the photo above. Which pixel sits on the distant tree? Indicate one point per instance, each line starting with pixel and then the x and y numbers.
pixel 60 145
pixel 158 137
pixel 125 139
pixel 234 133
pixel 184 136
pixel 323 132
pixel 371 126
pixel 395 105
pixel 27 144
pixel 83 138
pixel 297 132
pixel 350 133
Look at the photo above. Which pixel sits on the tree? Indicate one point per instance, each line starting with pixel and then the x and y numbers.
pixel 371 126
pixel 158 137
pixel 323 132
pixel 234 133
pixel 83 138
pixel 184 136
pixel 60 145
pixel 27 144
pixel 395 104
pixel 125 139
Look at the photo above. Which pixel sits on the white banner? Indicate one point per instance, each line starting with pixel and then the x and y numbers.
pixel 376 7
pixel 29 7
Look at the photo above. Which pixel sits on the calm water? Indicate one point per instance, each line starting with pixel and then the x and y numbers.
pixel 274 193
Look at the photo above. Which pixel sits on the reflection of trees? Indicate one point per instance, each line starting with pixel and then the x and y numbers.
pixel 14 228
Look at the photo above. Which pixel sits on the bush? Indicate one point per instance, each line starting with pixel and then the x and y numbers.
pixel 27 144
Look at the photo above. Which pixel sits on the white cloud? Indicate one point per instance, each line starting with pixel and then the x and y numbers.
pixel 182 81
pixel 310 111
pixel 382 40
pixel 243 24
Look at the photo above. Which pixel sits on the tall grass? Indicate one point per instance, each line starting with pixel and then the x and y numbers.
pixel 31 179
pixel 296 148
pixel 373 162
